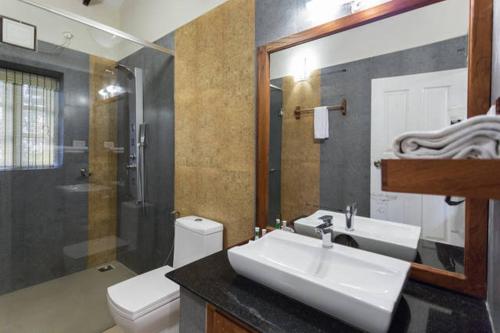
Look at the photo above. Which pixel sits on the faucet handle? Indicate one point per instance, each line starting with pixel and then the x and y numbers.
pixel 327 221
pixel 352 209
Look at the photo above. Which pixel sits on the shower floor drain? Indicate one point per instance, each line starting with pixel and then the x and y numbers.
pixel 106 268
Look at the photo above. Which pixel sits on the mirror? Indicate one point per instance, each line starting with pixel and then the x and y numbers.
pixel 336 105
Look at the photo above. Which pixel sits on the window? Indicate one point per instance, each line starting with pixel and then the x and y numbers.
pixel 29 111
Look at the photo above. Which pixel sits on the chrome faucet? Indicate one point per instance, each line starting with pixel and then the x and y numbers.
pixel 350 212
pixel 326 231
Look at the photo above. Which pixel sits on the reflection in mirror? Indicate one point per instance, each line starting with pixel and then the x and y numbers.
pixel 338 102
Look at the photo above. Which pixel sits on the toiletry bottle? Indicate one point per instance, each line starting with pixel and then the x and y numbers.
pixel 283 225
pixel 264 231
pixel 277 226
pixel 257 233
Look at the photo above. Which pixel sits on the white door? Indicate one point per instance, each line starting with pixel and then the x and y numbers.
pixel 419 102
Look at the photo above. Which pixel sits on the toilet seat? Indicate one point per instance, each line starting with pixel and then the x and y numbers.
pixel 140 295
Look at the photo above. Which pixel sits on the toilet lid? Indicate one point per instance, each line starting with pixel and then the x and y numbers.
pixel 144 293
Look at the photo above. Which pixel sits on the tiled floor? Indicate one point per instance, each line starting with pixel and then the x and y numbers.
pixel 75 303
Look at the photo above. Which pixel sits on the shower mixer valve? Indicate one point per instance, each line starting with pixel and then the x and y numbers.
pixel 84 172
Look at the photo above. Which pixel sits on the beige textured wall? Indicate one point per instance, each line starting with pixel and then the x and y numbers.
pixel 215 118
pixel 102 197
pixel 300 154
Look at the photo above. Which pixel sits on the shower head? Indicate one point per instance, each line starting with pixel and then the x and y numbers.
pixel 127 70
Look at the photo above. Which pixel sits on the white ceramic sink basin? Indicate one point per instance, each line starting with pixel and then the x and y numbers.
pixel 358 287
pixel 396 240
pixel 85 187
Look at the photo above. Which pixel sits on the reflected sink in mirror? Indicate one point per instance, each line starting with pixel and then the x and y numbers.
pixel 383 237
pixel 84 187
pixel 373 88
pixel 359 287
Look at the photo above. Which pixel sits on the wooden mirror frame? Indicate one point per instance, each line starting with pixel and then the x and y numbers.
pixel 473 281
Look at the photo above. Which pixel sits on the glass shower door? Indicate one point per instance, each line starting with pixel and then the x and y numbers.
pixel 76 213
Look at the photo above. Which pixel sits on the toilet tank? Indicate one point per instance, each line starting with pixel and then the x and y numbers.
pixel 195 238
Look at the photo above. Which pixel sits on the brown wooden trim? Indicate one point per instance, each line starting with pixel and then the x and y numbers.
pixel 473 282
pixel 370 15
pixel 218 321
pixel 209 318
pixel 263 128
pixel 478 179
pixel 476 244
pixel 479 56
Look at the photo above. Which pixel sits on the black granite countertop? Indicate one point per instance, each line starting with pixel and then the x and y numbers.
pixel 423 308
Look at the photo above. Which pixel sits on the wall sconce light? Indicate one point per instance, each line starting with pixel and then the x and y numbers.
pixel 303 71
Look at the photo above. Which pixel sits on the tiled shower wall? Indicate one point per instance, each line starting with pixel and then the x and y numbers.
pixel 102 217
pixel 38 218
pixel 42 218
pixel 150 232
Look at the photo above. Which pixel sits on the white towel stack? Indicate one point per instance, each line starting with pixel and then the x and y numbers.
pixel 321 126
pixel 475 138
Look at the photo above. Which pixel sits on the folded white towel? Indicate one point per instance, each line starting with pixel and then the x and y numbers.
pixel 477 137
pixel 321 127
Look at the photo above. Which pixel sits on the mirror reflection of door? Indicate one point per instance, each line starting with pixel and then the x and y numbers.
pixel 418 102
pixel 394 78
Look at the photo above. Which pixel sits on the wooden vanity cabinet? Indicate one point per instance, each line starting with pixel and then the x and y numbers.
pixel 219 322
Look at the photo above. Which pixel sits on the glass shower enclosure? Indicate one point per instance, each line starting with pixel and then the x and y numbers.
pixel 86 167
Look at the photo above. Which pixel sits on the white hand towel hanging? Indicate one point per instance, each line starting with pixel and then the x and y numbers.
pixel 321 126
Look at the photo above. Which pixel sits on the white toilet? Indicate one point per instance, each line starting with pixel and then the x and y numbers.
pixel 149 303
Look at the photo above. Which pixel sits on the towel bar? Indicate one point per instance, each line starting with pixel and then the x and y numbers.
pixel 342 108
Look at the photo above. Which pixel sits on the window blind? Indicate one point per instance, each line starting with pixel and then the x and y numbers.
pixel 29 112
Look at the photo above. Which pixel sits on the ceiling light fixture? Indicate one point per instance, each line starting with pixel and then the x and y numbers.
pixel 321 11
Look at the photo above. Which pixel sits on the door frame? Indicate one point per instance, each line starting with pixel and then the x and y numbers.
pixel 473 281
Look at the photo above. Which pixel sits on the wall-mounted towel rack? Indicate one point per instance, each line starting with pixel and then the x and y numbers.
pixel 342 108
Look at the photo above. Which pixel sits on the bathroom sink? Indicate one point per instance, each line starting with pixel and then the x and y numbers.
pixel 396 240
pixel 358 287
